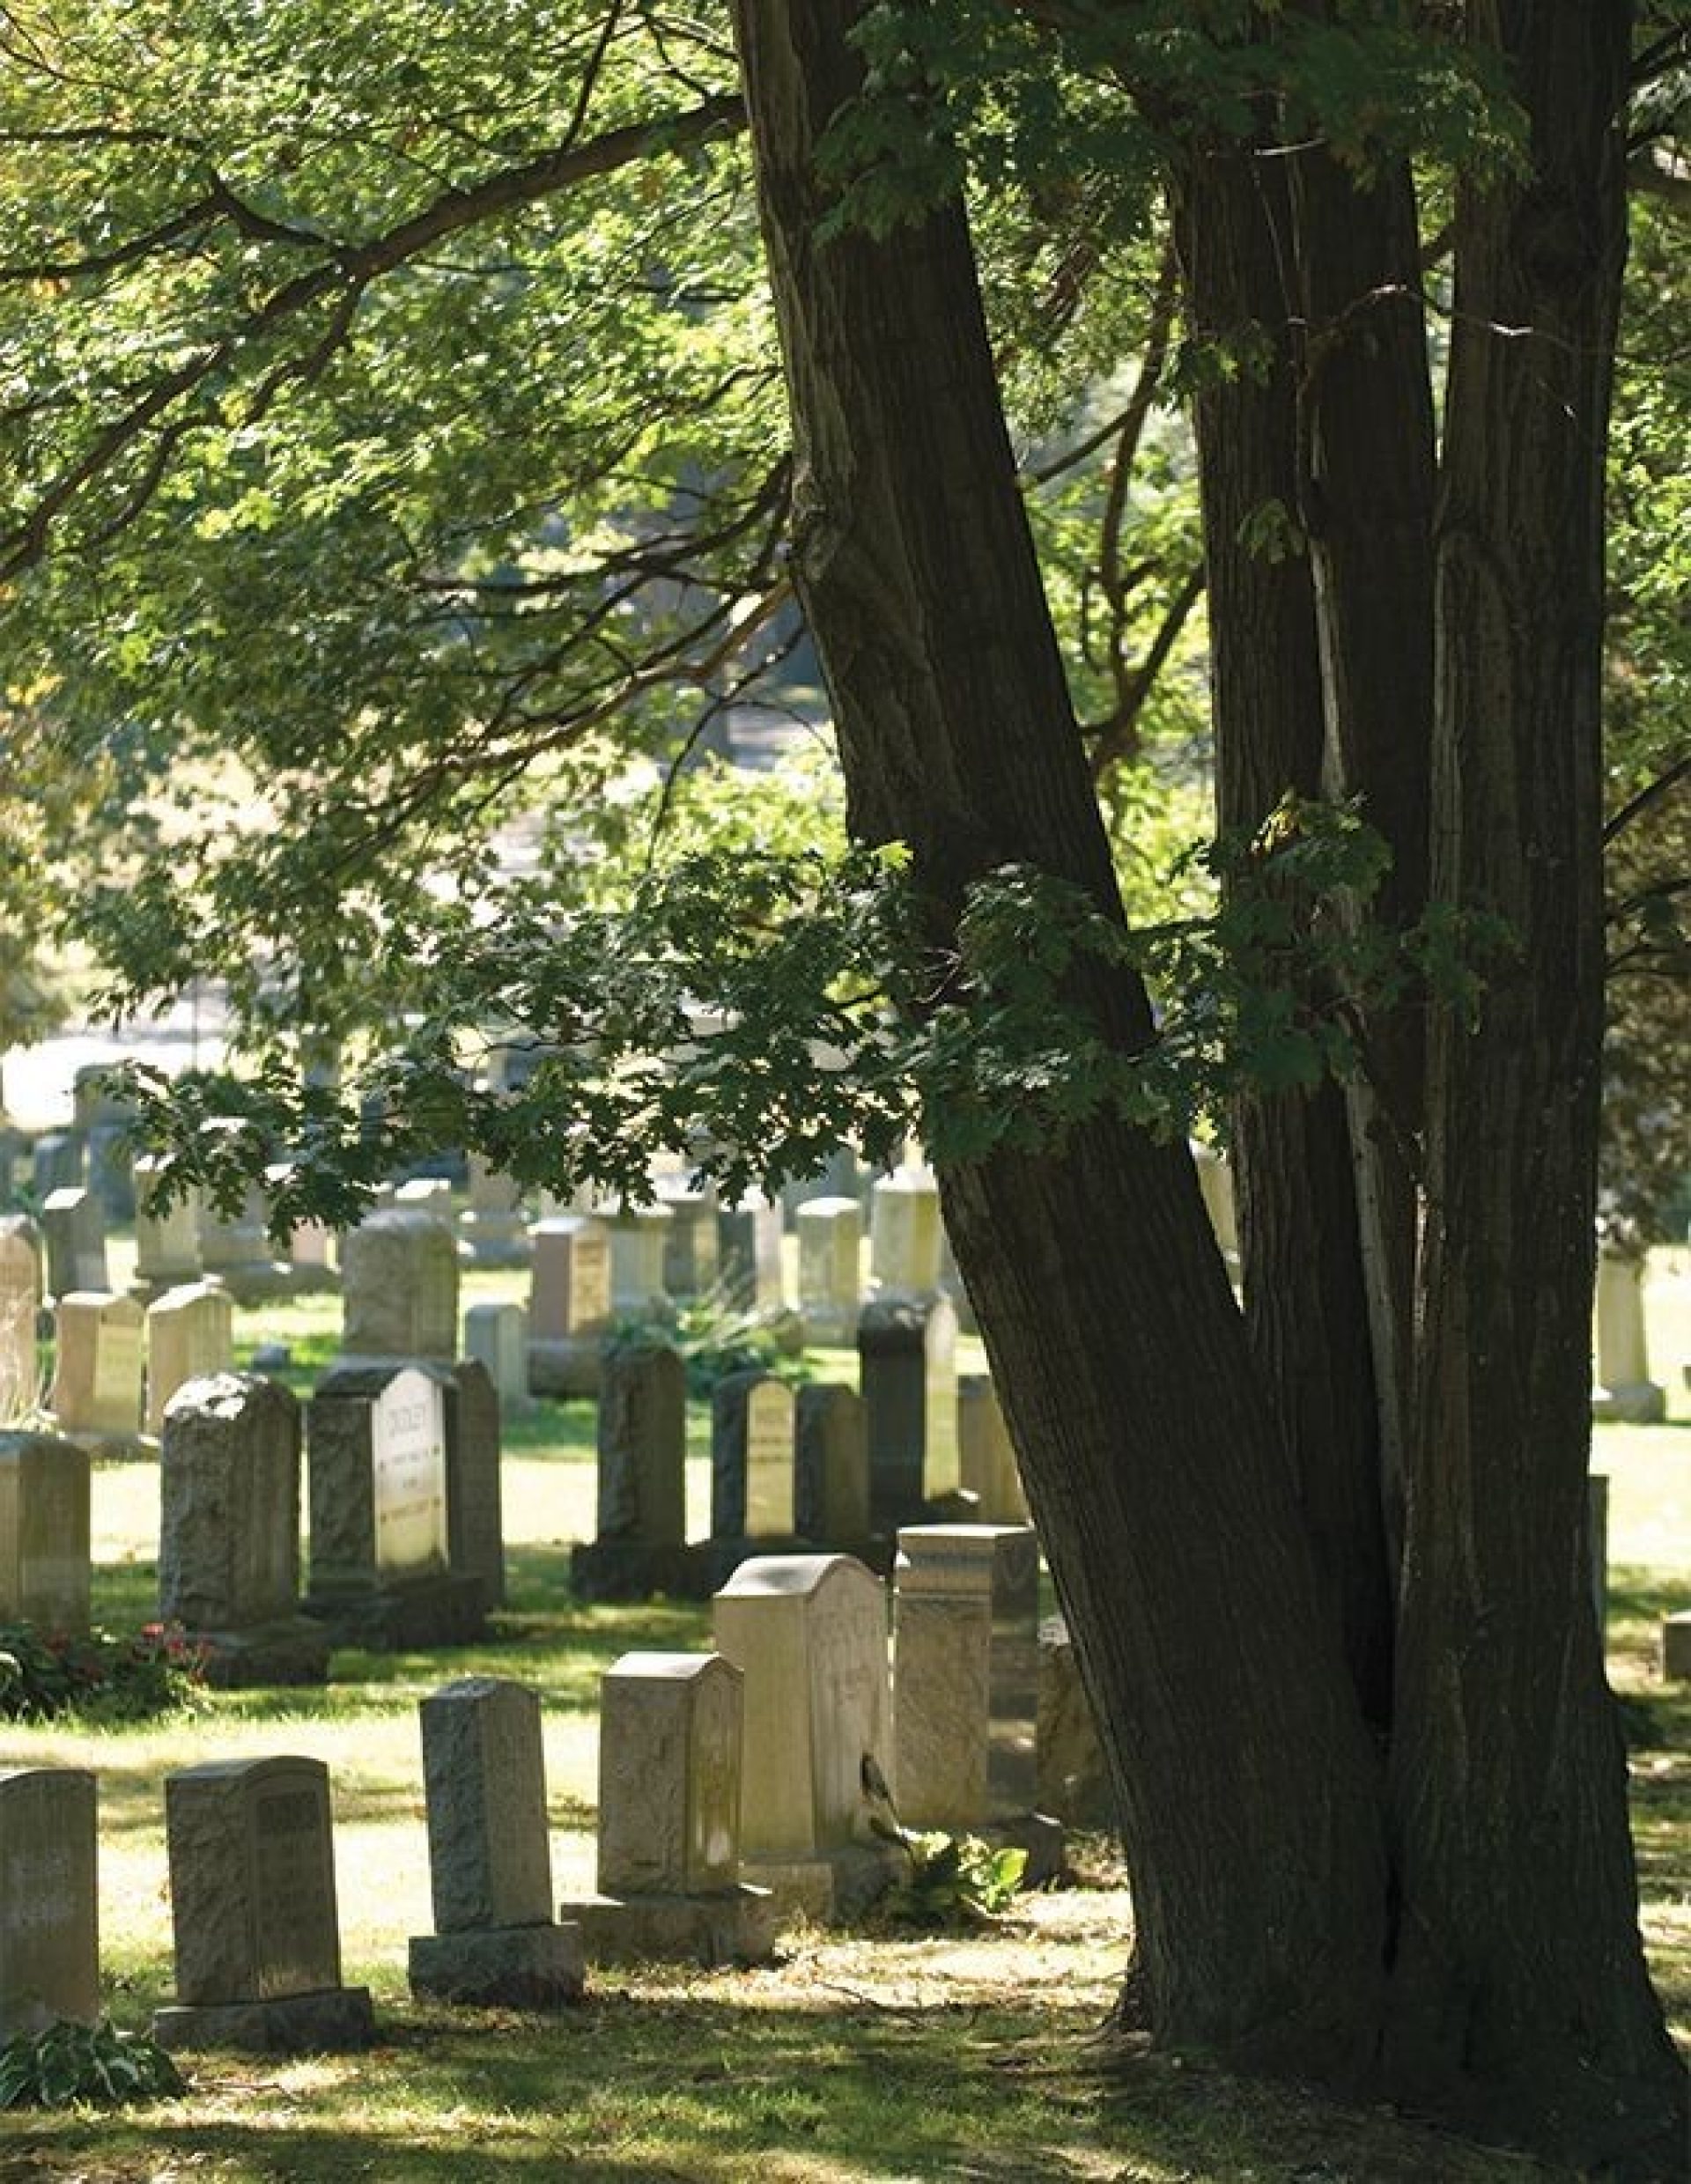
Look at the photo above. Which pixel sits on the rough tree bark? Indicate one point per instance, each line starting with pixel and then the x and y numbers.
pixel 1519 1989
pixel 1247 1782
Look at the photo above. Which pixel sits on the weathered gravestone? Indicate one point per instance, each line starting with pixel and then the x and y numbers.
pixel 475 1493
pixel 986 1458
pixel 166 1235
pixel 229 1532
pixel 809 1634
pixel 380 1572
pixel 496 1335
pixel 669 1886
pixel 99 1366
pixel 748 1254
pixel 103 1116
pixel 1624 1393
pixel 907 1359
pixel 905 1234
pixel 494 1229
pixel 689 1249
pixel 58 1164
pixel 20 1309
pixel 640 1548
pixel 399 1289
pixel 44 1541
pixel 73 1232
pixel 570 1305
pixel 236 1251
pixel 638 1237
pixel 830 1262
pixel 189 1334
pixel 50 1917
pixel 490 1854
pixel 1072 1777
pixel 257 1931
pixel 965 1673
pixel 752 1464
pixel 830 1466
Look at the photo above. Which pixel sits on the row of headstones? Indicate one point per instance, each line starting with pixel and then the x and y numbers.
pixel 406 1528
pixel 735 1786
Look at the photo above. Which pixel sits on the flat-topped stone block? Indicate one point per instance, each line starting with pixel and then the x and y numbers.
pixel 44 1535
pixel 49 1924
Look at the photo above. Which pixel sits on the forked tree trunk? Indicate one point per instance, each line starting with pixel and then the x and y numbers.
pixel 1519 1992
pixel 1305 1290
pixel 1247 1782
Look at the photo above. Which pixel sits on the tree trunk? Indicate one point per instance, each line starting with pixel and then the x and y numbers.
pixel 1519 1994
pixel 1155 1472
pixel 1305 1286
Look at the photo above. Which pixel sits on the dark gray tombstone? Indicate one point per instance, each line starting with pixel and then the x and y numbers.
pixel 832 1465
pixel 73 1232
pixel 907 1358
pixel 642 1517
pixel 475 1500
pixel 752 1458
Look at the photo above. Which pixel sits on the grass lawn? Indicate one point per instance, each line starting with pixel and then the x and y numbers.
pixel 973 2057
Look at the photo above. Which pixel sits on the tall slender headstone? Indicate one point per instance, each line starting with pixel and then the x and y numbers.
pixel 570 1305
pixel 496 1335
pixel 965 1673
pixel 399 1289
pixel 229 1531
pixel 642 1513
pixel 73 1228
pixel 752 1465
pixel 475 1487
pixel 49 1915
pixel 638 1238
pixel 830 1465
pixel 831 1280
pixel 986 1458
pixel 44 1536
pixel 669 1886
pixel 167 1234
pixel 809 1633
pixel 748 1254
pixel 907 1353
pixel 1624 1393
pixel 905 1234
pixel 253 1904
pixel 490 1854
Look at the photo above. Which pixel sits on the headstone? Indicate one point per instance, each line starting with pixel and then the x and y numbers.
pixel 748 1254
pixel 570 1305
pixel 236 1249
pixel 73 1229
pixel 496 1335
pixel 907 1353
pixel 49 1915
pixel 99 1364
pixel 839 1177
pixel 905 1234
pixel 189 1334
pixel 809 1633
pixel 965 1673
pixel 1624 1393
pixel 44 1540
pixel 494 1230
pixel 229 1532
pixel 830 1465
pixel 257 1932
pixel 690 1261
pixel 669 1743
pixel 1676 1646
pixel 1072 1778
pixel 475 1493
pixel 752 1466
pixel 111 1164
pixel 490 1854
pixel 831 1280
pixel 20 1307
pixel 311 1255
pixel 638 1236
pixel 985 1457
pixel 167 1236
pixel 640 1548
pixel 399 1285
pixel 380 1573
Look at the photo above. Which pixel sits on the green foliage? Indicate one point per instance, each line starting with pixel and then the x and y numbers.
pixel 716 1337
pixel 68 2064
pixel 952 1881
pixel 100 1678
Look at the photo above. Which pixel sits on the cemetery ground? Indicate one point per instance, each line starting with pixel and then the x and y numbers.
pixel 873 2056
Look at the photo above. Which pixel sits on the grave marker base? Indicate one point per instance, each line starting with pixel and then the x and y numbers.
pixel 834 1888
pixel 737 1926
pixel 329 2022
pixel 513 1968
pixel 293 1651
pixel 449 1610
pixel 1635 1403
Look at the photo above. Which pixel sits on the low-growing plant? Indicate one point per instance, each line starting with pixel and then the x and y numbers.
pixel 953 1880
pixel 69 2063
pixel 103 1676
pixel 716 1337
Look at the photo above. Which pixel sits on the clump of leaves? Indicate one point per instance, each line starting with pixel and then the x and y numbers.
pixel 70 2063
pixel 716 1337
pixel 102 1675
pixel 953 1880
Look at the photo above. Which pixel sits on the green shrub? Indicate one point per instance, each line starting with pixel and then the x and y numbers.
pixel 103 1676
pixel 953 1880
pixel 70 2063
pixel 716 1337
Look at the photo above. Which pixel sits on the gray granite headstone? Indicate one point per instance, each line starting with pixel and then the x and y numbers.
pixel 49 1924
pixel 44 1541
pixel 73 1230
pixel 831 1477
pixel 906 1351
pixel 643 1446
pixel 399 1286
